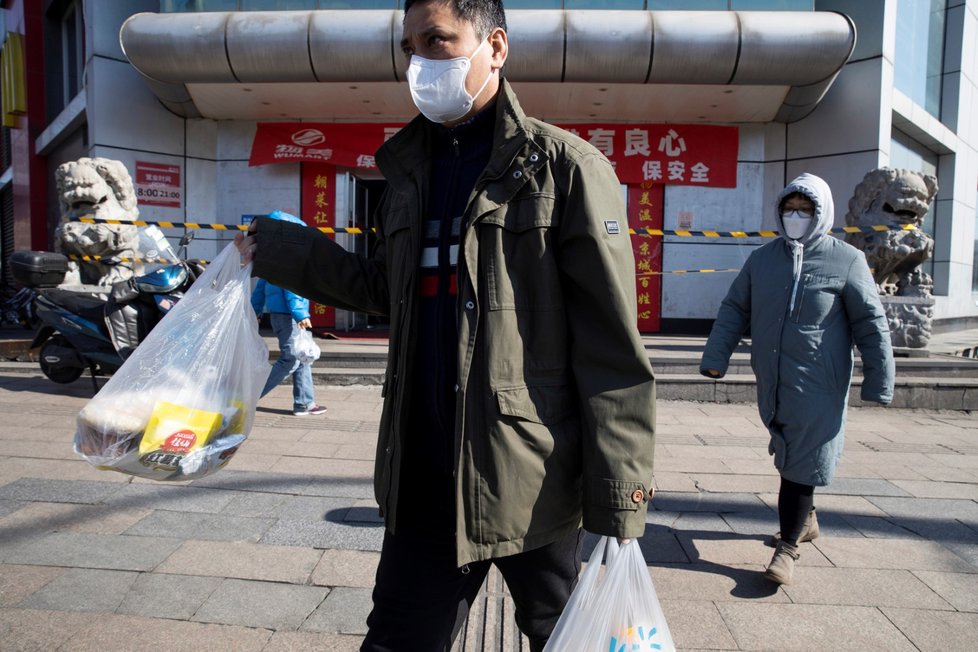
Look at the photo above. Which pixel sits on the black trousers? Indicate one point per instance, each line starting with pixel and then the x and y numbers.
pixel 421 598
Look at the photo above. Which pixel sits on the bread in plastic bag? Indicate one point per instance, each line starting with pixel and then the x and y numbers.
pixel 304 347
pixel 617 611
pixel 184 401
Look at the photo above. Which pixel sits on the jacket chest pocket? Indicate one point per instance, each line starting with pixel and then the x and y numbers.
pixel 517 251
pixel 819 297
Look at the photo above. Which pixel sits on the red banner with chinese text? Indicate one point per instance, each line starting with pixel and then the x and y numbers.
pixel 693 155
pixel 340 144
pixel 645 211
pixel 318 210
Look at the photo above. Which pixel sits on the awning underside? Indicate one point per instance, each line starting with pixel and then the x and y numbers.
pixel 661 66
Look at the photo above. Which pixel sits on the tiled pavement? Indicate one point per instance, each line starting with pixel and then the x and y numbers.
pixel 277 552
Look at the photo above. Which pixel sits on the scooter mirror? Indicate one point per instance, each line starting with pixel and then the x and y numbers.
pixel 187 237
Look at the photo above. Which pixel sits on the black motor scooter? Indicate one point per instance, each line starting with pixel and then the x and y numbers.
pixel 97 327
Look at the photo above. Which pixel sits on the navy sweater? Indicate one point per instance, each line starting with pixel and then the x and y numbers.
pixel 427 489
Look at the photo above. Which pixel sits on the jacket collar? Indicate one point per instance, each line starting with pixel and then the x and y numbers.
pixel 404 158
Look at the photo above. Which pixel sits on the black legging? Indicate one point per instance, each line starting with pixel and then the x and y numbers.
pixel 794 502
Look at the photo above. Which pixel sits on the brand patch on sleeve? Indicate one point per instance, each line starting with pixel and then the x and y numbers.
pixel 612 227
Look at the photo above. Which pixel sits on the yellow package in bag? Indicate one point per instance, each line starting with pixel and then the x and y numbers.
pixel 175 431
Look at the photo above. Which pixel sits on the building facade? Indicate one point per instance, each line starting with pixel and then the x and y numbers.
pixel 223 109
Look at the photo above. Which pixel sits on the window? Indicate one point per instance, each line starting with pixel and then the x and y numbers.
pixel 72 50
pixel 974 258
pixel 908 154
pixel 919 62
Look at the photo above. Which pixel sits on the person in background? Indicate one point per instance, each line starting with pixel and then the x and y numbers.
pixel 806 297
pixel 287 314
pixel 519 401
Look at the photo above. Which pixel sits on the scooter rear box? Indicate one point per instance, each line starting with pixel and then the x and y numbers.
pixel 38 269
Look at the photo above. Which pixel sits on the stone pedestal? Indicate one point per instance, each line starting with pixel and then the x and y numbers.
pixel 910 320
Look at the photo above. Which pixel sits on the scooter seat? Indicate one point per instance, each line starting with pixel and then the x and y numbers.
pixel 79 298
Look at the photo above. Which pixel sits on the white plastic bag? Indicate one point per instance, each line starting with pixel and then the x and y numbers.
pixel 304 347
pixel 183 402
pixel 614 612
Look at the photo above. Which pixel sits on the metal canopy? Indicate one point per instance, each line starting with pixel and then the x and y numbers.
pixel 606 66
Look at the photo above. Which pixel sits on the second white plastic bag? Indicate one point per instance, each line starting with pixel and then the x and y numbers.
pixel 617 611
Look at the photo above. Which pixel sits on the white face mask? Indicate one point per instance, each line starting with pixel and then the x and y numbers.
pixel 438 86
pixel 796 224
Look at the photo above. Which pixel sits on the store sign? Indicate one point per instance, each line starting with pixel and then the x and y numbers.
pixel 693 155
pixel 687 155
pixel 158 184
pixel 344 145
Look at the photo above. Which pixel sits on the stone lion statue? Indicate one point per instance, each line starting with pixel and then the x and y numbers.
pixel 892 196
pixel 100 188
pixel 889 196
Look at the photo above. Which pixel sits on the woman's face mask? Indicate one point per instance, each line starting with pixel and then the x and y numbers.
pixel 796 224
pixel 438 86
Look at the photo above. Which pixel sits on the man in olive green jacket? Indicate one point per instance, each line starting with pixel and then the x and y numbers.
pixel 553 390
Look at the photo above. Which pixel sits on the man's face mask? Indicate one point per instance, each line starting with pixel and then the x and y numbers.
pixel 438 86
pixel 796 224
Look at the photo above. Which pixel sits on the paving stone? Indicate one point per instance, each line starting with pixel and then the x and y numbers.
pixel 697 624
pixel 910 554
pixel 325 535
pixel 94 551
pixel 312 642
pixel 930 489
pixel 731 483
pixel 350 568
pixel 255 505
pixel 31 630
pixel 58 491
pixel 862 587
pixel 174 498
pixel 689 522
pixel 82 589
pixel 119 632
pixel 811 627
pixel 707 502
pixel 260 604
pixel 250 561
pixel 739 550
pixel 18 582
pixel 716 582
pixel 174 597
pixel 208 527
pixel 282 483
pixel 959 589
pixel 929 509
pixel 40 518
pixel 10 506
pixel 344 611
pixel 867 526
pixel 862 487
pixel 937 630
pixel 364 511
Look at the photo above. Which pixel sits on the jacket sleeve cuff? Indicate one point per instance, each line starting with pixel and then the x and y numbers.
pixel 616 508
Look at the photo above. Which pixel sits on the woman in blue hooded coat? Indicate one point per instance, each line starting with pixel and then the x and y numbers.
pixel 806 298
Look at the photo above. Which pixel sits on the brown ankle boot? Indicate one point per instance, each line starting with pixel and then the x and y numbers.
pixel 782 564
pixel 809 532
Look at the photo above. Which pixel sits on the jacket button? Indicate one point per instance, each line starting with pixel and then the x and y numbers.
pixel 517 174
pixel 456 388
pixel 389 449
pixel 469 305
pixel 637 496
pixel 534 157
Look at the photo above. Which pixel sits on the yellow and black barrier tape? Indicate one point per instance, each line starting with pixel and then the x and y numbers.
pixel 124 259
pixel 686 233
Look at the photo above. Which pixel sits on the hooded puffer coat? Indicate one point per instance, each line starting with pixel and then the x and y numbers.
pixel 806 302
